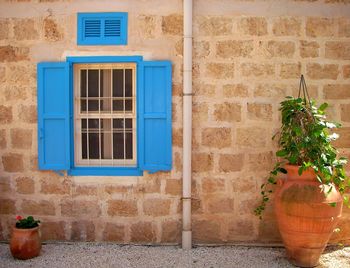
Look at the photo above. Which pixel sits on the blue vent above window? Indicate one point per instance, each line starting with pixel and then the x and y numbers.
pixel 102 28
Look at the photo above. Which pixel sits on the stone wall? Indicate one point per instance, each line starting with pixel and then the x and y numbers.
pixel 247 56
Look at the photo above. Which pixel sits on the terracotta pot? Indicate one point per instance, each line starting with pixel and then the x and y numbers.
pixel 25 243
pixel 305 218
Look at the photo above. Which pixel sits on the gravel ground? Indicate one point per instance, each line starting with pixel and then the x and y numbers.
pixel 109 255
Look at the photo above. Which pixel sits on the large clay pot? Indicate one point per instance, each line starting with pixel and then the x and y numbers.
pixel 25 243
pixel 305 218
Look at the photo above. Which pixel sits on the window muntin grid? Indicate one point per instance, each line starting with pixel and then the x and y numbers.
pixel 105 114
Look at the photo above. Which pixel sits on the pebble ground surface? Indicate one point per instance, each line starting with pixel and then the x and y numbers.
pixel 87 255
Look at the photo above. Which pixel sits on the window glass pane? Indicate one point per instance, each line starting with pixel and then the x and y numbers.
pixel 93 81
pixel 128 145
pixel 118 105
pixel 84 145
pixel 83 105
pixel 128 83
pixel 128 105
pixel 93 105
pixel 118 145
pixel 94 146
pixel 118 83
pixel 106 139
pixel 83 83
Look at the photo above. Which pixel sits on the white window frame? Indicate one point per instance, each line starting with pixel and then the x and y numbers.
pixel 78 160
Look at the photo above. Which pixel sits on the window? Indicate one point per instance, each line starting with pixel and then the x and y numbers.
pixel 108 28
pixel 104 115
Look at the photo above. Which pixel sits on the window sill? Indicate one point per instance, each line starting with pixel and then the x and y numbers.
pixel 104 171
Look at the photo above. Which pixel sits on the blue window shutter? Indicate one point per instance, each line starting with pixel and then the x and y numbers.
pixel 155 141
pixel 54 115
pixel 104 28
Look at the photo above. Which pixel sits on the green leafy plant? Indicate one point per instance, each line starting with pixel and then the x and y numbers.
pixel 305 139
pixel 26 223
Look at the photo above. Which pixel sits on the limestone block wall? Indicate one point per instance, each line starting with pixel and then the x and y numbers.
pixel 247 56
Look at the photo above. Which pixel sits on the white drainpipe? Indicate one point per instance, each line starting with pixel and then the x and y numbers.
pixel 187 127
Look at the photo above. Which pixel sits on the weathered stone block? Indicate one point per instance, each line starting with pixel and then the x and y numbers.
pixel 13 162
pixel 3 142
pixel 210 26
pixel 15 93
pixel 10 54
pixel 126 208
pixel 21 138
pixel 261 161
pixel 2 74
pixel 283 49
pixel 235 90
pixel 253 26
pixel 206 231
pixel 5 185
pixel 173 187
pixel 171 231
pixel 344 27
pixel 73 208
pixel 7 206
pixel 336 91
pixel 113 232
pixel 232 48
pixel 112 189
pixel 199 113
pixel 321 27
pixel 220 205
pixel 257 69
pixel 28 114
pixel 326 71
pixel 19 74
pixel 172 24
pixel 253 137
pixel 42 207
pixel 213 185
pixel 5 114
pixel 4 29
pixel 338 50
pixel 202 162
pixel 286 26
pixel 87 190
pixel 229 112
pixel 346 71
pixel 344 138
pixel 25 185
pixel 241 230
pixel 53 230
pixel 146 25
pixel 83 231
pixel 55 186
pixel 260 111
pixel 201 49
pixel 143 232
pixel 309 49
pixel 216 137
pixel 220 70
pixel 270 91
pixel 156 207
pixel 231 162
pixel 206 90
pixel 345 112
pixel 52 30
pixel 290 70
pixel 25 29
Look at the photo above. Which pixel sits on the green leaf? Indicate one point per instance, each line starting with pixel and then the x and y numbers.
pixel 281 153
pixel 323 107
pixel 282 170
pixel 333 204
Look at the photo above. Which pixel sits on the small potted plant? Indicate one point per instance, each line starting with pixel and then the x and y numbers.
pixel 308 202
pixel 25 240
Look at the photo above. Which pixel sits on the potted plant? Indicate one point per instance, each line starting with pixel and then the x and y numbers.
pixel 25 240
pixel 308 202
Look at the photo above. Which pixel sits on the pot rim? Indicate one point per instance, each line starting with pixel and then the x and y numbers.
pixel 26 229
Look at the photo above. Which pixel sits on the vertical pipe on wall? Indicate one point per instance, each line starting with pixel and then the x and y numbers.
pixel 187 127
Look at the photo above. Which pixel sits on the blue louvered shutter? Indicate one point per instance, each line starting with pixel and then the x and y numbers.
pixel 53 116
pixel 108 28
pixel 155 152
